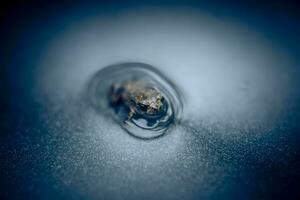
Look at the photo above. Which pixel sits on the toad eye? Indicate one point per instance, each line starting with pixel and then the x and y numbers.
pixel 139 97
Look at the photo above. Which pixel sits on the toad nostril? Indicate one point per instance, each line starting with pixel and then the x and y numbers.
pixel 141 99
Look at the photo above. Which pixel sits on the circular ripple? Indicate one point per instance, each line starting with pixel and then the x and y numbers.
pixel 139 97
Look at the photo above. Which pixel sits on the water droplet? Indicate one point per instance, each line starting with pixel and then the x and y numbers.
pixel 139 97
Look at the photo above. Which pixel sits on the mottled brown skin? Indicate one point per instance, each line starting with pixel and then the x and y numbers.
pixel 137 97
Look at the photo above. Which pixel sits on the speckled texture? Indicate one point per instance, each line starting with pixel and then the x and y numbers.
pixel 239 135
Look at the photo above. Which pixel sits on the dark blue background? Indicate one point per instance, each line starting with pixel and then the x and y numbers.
pixel 26 153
